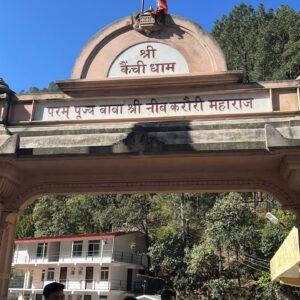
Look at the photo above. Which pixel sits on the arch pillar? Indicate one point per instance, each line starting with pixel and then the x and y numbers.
pixel 9 184
pixel 8 222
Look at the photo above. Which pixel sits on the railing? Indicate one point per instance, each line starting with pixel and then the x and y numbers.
pixel 16 283
pixel 118 285
pixel 107 256
pixel 127 257
pixel 85 256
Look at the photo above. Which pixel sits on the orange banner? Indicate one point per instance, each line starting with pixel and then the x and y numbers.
pixel 162 7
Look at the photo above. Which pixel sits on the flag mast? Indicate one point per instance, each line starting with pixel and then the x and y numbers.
pixel 143 6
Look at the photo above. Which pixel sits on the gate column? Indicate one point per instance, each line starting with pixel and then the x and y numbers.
pixel 8 223
pixel 9 184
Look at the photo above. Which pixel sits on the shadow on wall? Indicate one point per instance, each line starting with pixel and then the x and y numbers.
pixel 151 138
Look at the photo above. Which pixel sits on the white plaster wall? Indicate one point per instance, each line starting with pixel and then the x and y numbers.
pixel 118 273
pixel 25 253
pixel 65 251
pixel 95 296
pixel 53 251
pixel 123 243
pixel 37 276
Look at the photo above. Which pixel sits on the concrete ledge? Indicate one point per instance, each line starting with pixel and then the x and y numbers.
pixel 10 145
pixel 260 134
pixel 274 139
pixel 143 85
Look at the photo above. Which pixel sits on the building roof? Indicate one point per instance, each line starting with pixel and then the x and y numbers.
pixel 76 237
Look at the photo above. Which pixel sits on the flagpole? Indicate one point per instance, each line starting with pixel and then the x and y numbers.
pixel 143 6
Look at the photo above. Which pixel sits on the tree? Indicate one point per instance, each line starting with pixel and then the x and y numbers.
pixel 50 216
pixel 168 257
pixel 25 225
pixel 273 235
pixel 95 213
pixel 266 289
pixel 264 45
pixel 202 256
pixel 52 88
pixel 237 34
pixel 219 288
pixel 202 266
pixel 230 226
pixel 34 90
pixel 278 46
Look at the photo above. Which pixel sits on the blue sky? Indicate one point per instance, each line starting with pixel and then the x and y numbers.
pixel 40 39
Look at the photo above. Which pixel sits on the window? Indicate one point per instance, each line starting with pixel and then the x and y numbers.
pixel 104 274
pixel 79 297
pixel 94 248
pixel 39 297
pixel 77 248
pixel 70 297
pixel 87 297
pixel 42 250
pixel 43 275
pixel 50 274
pixel 102 297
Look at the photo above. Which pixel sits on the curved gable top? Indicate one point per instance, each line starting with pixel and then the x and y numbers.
pixel 150 58
pixel 194 50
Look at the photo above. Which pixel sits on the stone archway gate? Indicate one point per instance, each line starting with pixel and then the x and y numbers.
pixel 156 113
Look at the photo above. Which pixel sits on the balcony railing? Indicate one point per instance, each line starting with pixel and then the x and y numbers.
pixel 127 257
pixel 16 283
pixel 79 285
pixel 107 256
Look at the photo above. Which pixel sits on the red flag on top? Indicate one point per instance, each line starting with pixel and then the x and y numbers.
pixel 162 7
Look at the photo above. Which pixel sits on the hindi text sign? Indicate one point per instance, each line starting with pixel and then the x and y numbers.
pixel 153 108
pixel 149 59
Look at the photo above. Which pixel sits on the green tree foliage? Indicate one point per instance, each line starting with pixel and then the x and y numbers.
pixel 273 235
pixel 231 223
pixel 220 288
pixel 167 255
pixel 236 34
pixel 202 266
pixel 264 45
pixel 266 289
pixel 52 88
pixel 198 243
pixel 25 224
pixel 50 217
pixel 95 213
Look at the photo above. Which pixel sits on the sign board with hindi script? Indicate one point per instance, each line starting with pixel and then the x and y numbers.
pixel 153 108
pixel 148 59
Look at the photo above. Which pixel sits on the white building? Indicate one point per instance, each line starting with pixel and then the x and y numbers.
pixel 92 267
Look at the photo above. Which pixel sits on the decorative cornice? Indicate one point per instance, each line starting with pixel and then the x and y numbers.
pixel 7 188
pixel 9 180
pixel 10 145
pixel 138 84
pixel 274 139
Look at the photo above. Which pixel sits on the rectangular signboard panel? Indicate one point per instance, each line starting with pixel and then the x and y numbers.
pixel 153 108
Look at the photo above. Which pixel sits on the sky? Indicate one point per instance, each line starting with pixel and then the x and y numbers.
pixel 41 39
